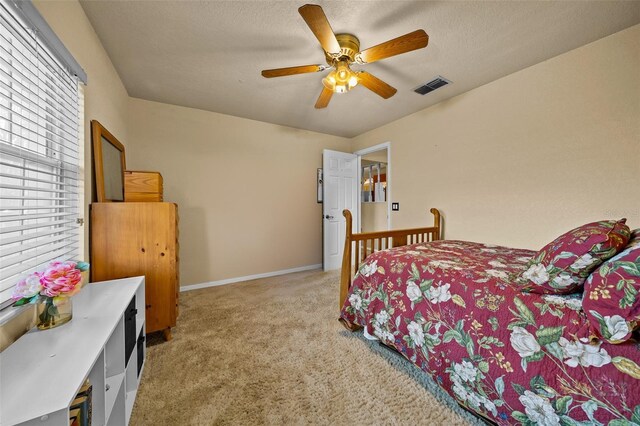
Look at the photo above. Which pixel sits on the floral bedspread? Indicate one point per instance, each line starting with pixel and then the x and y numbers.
pixel 453 309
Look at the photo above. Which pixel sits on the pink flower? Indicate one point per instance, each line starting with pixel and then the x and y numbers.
pixel 60 278
pixel 27 287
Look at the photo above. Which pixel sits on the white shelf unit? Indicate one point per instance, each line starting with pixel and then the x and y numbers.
pixel 42 372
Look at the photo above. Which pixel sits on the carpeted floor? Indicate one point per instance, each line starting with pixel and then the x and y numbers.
pixel 271 351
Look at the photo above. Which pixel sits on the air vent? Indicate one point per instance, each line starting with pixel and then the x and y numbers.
pixel 434 84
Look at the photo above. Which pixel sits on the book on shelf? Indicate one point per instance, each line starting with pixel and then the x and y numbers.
pixel 82 403
pixel 74 417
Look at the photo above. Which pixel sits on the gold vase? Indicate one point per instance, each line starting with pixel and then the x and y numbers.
pixel 52 313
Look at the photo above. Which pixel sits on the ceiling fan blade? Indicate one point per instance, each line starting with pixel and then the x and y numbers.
pixel 403 44
pixel 376 85
pixel 315 18
pixel 324 98
pixel 283 72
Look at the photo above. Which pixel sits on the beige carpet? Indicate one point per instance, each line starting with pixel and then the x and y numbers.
pixel 271 351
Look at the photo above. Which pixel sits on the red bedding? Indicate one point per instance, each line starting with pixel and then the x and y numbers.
pixel 452 309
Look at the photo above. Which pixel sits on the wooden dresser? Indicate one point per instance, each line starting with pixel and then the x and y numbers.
pixel 129 239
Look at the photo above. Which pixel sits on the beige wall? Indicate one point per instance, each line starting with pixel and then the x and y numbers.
pixel 529 156
pixel 246 190
pixel 105 96
pixel 373 216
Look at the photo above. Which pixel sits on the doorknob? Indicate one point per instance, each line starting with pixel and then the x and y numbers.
pixel 328 217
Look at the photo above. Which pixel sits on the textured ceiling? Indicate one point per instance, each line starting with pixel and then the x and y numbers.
pixel 209 54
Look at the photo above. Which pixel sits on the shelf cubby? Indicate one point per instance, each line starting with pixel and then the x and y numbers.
pixel 114 351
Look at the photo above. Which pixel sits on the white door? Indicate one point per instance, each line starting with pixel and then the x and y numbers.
pixel 340 185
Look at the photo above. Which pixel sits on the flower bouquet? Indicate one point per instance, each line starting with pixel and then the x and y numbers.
pixel 52 291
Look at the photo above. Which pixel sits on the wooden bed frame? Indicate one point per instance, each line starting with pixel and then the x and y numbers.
pixel 365 244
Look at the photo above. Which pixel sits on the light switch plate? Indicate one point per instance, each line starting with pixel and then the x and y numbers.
pixel 395 207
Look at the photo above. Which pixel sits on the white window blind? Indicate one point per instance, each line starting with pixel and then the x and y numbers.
pixel 39 155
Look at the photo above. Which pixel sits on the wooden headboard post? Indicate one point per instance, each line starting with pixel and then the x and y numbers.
pixel 366 244
pixel 345 276
pixel 436 222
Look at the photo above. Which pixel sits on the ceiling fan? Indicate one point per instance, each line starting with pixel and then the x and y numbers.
pixel 342 50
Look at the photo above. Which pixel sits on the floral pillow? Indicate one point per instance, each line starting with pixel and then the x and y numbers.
pixel 611 299
pixel 564 264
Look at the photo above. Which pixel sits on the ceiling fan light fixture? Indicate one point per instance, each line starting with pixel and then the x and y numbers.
pixel 342 79
pixel 342 72
pixel 330 81
pixel 341 88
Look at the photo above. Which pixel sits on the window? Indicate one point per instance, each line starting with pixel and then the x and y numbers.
pixel 40 153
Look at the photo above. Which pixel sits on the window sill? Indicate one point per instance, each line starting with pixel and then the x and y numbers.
pixel 14 322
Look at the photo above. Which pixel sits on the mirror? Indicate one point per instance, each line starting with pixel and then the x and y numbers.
pixel 375 210
pixel 374 180
pixel 108 164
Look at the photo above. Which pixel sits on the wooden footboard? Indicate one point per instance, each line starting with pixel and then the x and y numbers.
pixel 357 247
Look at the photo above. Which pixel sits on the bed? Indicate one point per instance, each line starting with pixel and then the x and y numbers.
pixel 453 309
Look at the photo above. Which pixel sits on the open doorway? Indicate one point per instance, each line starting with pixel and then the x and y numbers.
pixel 374 176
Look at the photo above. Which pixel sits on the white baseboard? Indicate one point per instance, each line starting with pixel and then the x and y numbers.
pixel 249 277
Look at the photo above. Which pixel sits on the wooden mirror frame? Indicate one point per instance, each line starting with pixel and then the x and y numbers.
pixel 98 131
